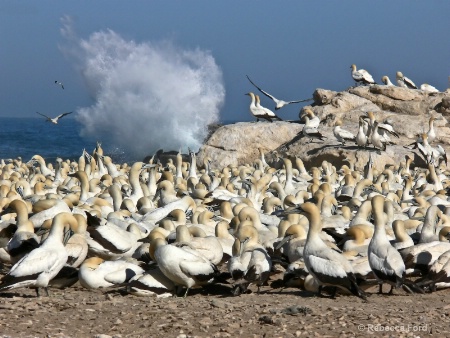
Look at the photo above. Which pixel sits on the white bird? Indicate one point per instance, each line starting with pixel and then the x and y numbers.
pixel 311 132
pixel 328 266
pixel 428 88
pixel 258 112
pixel 341 134
pixel 77 246
pixel 376 138
pixel 109 241
pixel 24 239
pixel 266 110
pixel 404 82
pixel 278 103
pixel 183 266
pixel 314 120
pixel 385 261
pixel 55 119
pixel 253 256
pixel 151 283
pixel 95 272
pixel 41 265
pixel 387 81
pixel 362 75
pixel 208 246
pixel 361 137
pixel 59 83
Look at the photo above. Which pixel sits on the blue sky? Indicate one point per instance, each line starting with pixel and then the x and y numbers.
pixel 288 48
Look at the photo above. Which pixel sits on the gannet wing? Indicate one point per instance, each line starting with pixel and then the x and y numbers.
pixel 43 115
pixel 63 114
pixel 35 262
pixel 262 91
pixel 297 101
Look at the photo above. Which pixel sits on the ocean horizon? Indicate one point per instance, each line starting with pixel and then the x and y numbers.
pixel 29 136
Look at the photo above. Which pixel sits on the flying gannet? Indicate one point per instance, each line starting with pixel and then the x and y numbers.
pixel 278 103
pixel 59 83
pixel 54 120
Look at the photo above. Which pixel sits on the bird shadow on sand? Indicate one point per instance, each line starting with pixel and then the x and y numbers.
pixel 21 295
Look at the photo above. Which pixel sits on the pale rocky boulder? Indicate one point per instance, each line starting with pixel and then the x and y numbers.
pixel 238 143
pixel 407 110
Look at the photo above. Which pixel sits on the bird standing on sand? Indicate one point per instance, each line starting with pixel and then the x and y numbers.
pixel 278 103
pixel 361 75
pixel 54 120
pixel 384 260
pixel 326 265
pixel 404 82
pixel 59 83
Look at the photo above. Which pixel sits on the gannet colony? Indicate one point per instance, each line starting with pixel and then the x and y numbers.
pixel 161 229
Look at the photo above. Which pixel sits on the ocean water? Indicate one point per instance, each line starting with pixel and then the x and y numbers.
pixel 26 137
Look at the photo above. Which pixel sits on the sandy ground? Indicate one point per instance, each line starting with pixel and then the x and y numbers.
pixel 214 312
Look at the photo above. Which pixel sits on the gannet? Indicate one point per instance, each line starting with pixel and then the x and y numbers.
pixel 428 88
pixel 328 266
pixel 59 83
pixel 151 283
pixel 385 261
pixel 311 132
pixel 208 246
pixel 387 81
pixel 109 241
pixel 55 119
pixel 258 112
pixel 362 75
pixel 42 165
pixel 404 82
pixel 24 239
pixel 183 266
pixel 253 256
pixel 431 154
pixel 362 138
pixel 268 111
pixel 314 120
pixel 376 139
pixel 39 266
pixel 95 272
pixel 77 246
pixel 341 134
pixel 439 275
pixel 278 103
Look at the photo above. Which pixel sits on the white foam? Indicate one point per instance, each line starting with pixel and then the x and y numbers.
pixel 148 95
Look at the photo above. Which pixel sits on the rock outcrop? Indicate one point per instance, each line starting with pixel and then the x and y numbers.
pixel 407 110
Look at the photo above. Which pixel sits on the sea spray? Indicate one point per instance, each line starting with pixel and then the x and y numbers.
pixel 148 95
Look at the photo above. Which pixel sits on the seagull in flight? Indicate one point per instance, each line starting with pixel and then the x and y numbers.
pixel 278 103
pixel 59 83
pixel 54 120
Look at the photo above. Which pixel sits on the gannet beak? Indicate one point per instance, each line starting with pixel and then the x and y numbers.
pixel 67 236
pixel 41 231
pixel 283 241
